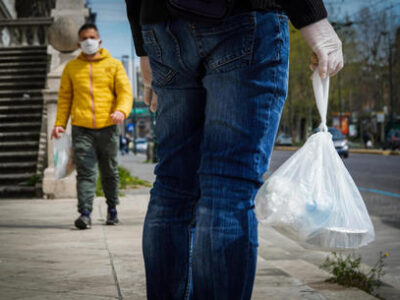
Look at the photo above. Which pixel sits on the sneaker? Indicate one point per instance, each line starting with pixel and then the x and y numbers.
pixel 112 216
pixel 84 221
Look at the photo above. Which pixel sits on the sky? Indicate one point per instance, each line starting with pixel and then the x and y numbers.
pixel 351 8
pixel 116 34
pixel 113 26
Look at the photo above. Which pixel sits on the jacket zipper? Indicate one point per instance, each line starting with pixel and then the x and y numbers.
pixel 91 94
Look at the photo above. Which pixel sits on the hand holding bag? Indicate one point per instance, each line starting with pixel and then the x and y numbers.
pixel 312 198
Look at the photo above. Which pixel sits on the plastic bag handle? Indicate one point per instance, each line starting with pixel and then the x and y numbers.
pixel 321 93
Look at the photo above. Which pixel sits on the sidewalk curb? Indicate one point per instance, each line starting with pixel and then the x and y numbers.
pixel 358 151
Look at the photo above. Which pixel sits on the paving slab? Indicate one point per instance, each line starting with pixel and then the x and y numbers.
pixel 42 256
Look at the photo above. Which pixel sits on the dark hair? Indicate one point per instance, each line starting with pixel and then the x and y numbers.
pixel 87 26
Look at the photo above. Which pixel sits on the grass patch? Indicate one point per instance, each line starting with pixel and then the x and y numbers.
pixel 125 181
pixel 347 271
pixel 298 144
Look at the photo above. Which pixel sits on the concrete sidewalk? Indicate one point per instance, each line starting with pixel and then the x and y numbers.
pixel 351 150
pixel 42 256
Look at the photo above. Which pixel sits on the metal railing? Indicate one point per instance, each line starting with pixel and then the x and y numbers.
pixel 24 32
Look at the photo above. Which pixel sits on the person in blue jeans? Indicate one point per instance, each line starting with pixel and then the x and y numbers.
pixel 219 90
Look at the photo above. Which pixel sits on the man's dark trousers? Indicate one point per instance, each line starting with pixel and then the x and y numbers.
pixel 92 147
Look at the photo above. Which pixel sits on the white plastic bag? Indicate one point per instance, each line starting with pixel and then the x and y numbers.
pixel 312 198
pixel 63 156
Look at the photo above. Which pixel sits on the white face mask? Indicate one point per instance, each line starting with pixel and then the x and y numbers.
pixel 90 46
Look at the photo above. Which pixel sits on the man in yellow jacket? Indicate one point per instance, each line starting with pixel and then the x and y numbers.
pixel 95 92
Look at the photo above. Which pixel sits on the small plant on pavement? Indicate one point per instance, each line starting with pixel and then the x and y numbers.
pixel 125 181
pixel 347 271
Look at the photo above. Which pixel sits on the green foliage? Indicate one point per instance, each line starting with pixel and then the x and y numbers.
pixel 300 103
pixel 125 181
pixel 363 85
pixel 347 271
pixel 33 180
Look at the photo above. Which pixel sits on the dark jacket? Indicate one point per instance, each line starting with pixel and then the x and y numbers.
pixel 300 12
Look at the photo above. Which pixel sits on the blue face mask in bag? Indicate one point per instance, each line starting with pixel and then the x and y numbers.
pixel 211 11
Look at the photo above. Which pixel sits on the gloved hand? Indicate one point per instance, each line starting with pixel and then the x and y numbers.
pixel 325 43
pixel 150 97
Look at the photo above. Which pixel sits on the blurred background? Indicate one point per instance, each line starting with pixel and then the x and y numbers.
pixel 364 95
pixel 37 38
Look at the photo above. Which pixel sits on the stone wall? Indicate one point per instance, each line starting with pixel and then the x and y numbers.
pixel 68 17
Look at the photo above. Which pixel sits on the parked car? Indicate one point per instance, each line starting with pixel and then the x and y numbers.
pixel 392 140
pixel 141 145
pixel 284 140
pixel 339 140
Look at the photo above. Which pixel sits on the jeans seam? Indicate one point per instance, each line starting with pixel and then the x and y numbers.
pixel 247 260
pixel 165 80
pixel 253 18
pixel 177 48
pixel 216 66
pixel 153 41
pixel 189 271
pixel 198 41
pixel 279 39
pixel 275 77
pixel 190 258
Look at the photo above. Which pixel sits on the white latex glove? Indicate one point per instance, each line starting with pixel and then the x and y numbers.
pixel 325 43
pixel 150 97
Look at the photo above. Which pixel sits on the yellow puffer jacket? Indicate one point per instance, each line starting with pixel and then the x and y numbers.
pixel 91 91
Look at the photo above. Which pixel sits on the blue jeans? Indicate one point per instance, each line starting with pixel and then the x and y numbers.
pixel 221 89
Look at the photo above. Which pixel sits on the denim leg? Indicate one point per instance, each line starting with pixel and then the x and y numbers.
pixel 221 125
pixel 167 227
pixel 180 117
pixel 107 153
pixel 239 133
pixel 83 143
pixel 242 115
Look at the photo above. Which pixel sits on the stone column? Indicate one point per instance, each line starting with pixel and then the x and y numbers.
pixel 68 17
pixel 10 4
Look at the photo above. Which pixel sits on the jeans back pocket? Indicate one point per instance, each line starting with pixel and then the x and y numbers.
pixel 226 46
pixel 162 73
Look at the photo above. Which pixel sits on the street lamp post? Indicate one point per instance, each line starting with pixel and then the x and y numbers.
pixel 391 82
pixel 340 99
pixel 135 96
pixel 390 67
pixel 338 26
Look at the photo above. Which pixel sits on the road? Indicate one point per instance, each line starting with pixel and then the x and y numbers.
pixel 377 177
